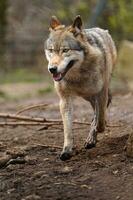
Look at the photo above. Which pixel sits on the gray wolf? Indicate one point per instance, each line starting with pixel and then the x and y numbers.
pixel 81 62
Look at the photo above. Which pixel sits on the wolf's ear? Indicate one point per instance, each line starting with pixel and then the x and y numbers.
pixel 77 24
pixel 54 22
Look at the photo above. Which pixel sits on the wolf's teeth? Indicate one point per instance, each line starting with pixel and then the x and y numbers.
pixel 57 77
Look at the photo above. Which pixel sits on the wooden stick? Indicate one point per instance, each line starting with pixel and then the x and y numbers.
pixel 48 123
pixel 31 107
pixel 111 125
pixel 37 106
pixel 38 120
pixel 42 124
pixel 19 117
pixel 24 124
pixel 35 119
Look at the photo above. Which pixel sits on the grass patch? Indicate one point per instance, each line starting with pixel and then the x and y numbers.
pixel 3 95
pixel 45 90
pixel 23 75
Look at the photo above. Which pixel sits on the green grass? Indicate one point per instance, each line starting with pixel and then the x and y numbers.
pixel 23 75
pixel 45 90
pixel 3 95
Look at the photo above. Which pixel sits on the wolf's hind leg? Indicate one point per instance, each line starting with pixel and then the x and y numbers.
pixel 99 105
pixel 104 98
pixel 109 98
pixel 92 137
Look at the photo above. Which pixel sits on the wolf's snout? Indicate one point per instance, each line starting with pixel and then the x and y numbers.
pixel 53 70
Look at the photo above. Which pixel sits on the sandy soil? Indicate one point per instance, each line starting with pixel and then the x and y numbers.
pixel 30 168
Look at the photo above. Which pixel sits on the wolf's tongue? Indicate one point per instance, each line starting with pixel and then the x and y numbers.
pixel 57 77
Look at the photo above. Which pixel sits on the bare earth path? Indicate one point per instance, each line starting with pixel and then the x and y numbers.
pixel 30 168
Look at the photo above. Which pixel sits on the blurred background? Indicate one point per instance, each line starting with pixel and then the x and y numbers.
pixel 24 28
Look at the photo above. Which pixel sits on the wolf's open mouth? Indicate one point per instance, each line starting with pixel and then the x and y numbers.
pixel 59 76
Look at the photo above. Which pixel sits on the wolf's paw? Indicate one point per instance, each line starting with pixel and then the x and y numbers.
pixel 90 142
pixel 89 145
pixel 91 139
pixel 65 156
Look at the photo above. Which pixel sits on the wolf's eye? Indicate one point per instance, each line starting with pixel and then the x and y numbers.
pixel 65 50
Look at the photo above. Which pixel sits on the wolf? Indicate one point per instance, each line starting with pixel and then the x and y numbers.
pixel 81 62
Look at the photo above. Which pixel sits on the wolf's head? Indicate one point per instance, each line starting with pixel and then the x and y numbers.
pixel 64 48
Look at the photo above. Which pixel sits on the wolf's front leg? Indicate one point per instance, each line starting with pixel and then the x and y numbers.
pixel 66 112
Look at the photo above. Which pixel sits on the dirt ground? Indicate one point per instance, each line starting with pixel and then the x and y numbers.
pixel 30 168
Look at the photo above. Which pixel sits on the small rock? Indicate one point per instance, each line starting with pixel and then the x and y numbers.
pixel 67 169
pixel 10 190
pixel 16 139
pixel 115 172
pixel 45 159
pixel 86 186
pixel 32 197
pixel 118 197
pixel 114 155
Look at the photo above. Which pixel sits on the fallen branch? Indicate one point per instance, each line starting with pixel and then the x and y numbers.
pixel 111 125
pixel 38 121
pixel 31 107
pixel 19 117
pixel 37 106
pixel 15 161
pixel 23 124
pixel 47 125
pixel 35 119
pixel 11 159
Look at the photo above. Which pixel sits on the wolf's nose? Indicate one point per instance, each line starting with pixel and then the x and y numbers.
pixel 53 70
